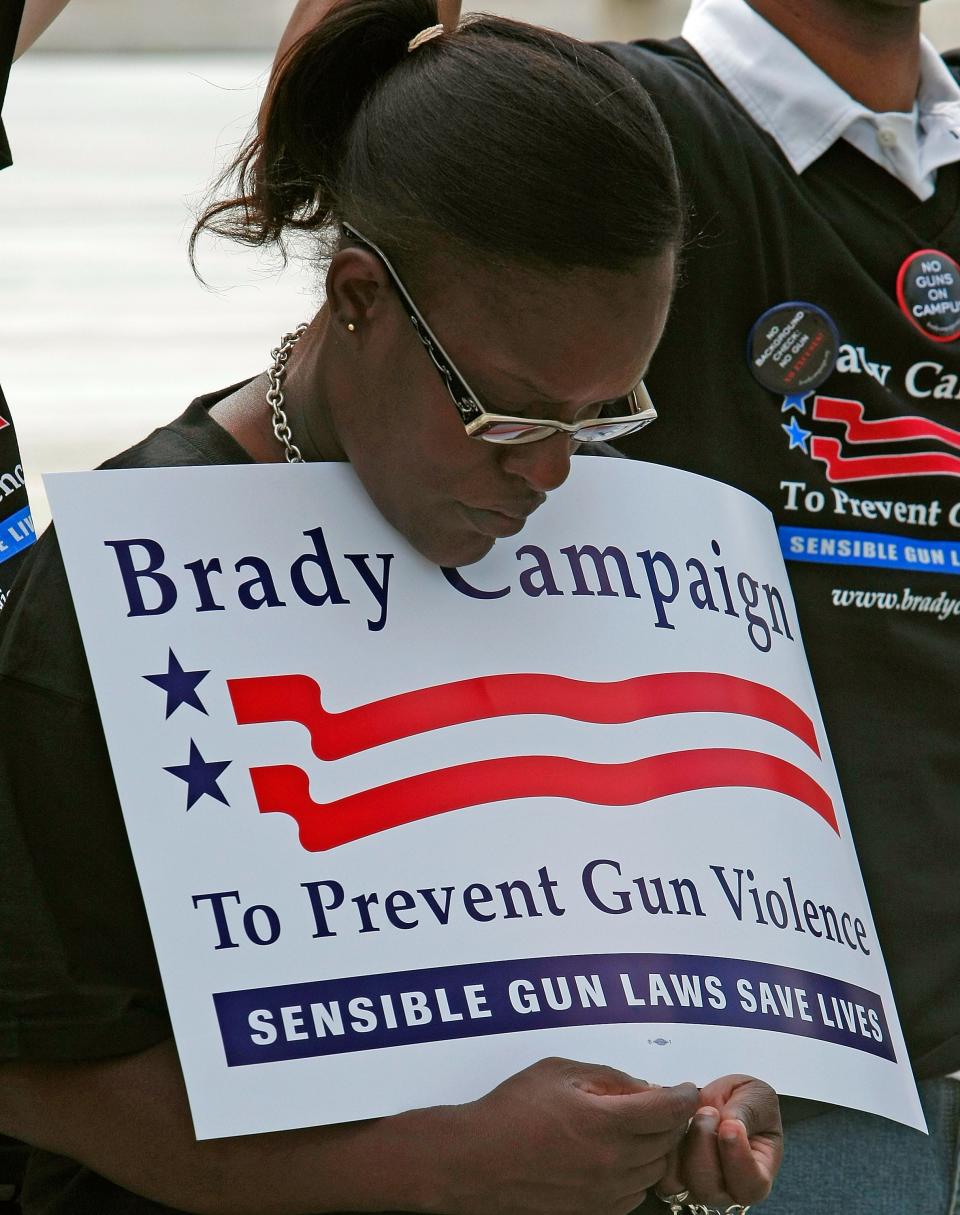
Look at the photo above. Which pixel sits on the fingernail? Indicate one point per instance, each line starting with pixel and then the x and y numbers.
pixel 730 1135
pixel 707 1120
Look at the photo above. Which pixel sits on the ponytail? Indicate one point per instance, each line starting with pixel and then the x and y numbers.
pixel 500 138
pixel 287 170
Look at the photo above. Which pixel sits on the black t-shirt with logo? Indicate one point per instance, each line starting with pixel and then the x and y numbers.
pixel 16 525
pixel 862 476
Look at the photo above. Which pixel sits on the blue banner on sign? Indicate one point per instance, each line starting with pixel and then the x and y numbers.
pixel 16 533
pixel 830 547
pixel 369 1012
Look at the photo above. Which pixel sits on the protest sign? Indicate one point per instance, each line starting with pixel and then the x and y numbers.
pixel 402 831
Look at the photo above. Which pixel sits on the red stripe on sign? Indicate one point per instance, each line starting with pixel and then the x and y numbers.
pixel 878 468
pixel 334 735
pixel 286 789
pixel 889 430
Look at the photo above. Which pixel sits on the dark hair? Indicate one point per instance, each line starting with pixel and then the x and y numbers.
pixel 500 138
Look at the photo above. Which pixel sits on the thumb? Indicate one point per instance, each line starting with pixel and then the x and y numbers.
pixel 751 1102
pixel 602 1081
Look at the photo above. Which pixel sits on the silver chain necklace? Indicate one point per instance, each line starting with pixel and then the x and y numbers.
pixel 276 373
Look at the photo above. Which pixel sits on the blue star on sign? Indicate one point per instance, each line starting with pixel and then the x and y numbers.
pixel 795 400
pixel 179 685
pixel 797 435
pixel 201 776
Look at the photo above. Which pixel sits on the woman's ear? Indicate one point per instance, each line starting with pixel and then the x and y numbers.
pixel 357 288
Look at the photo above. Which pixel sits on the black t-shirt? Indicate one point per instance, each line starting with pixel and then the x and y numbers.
pixel 11 14
pixel 874 462
pixel 70 987
pixel 78 975
pixel 16 525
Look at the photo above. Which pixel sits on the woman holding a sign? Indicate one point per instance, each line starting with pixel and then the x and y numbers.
pixel 455 166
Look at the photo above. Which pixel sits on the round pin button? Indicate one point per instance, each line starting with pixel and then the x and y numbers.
pixel 928 291
pixel 793 348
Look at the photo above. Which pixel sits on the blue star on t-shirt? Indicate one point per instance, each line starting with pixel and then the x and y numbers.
pixel 795 400
pixel 179 685
pixel 201 776
pixel 797 435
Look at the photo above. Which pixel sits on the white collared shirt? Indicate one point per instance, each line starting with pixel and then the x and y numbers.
pixel 806 112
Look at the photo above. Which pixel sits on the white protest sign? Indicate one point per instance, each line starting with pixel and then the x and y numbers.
pixel 401 833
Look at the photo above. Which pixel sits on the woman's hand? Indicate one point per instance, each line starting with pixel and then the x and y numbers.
pixel 732 1152
pixel 565 1138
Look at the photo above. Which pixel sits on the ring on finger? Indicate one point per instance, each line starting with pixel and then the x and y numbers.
pixel 674 1201
pixel 701 1208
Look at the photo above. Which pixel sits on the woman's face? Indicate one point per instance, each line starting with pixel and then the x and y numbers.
pixel 528 345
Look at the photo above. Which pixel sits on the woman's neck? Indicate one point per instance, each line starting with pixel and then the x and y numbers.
pixel 307 387
pixel 247 416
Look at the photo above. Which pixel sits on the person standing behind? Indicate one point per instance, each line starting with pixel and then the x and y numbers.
pixel 812 358
pixel 16 526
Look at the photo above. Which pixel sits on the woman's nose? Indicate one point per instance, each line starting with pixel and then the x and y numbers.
pixel 544 465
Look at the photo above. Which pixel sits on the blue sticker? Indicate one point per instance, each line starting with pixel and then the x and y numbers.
pixel 16 533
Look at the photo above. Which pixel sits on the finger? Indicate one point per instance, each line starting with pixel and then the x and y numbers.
pixel 630 1202
pixel 751 1102
pixel 718 1092
pixel 660 1146
pixel 701 1171
pixel 600 1080
pixel 647 1177
pixel 749 1165
pixel 656 1109
pixel 672 1180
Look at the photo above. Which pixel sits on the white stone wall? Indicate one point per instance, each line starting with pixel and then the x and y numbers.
pixel 212 25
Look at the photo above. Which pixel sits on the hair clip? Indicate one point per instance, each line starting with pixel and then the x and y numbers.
pixel 426 35
pixel 449 13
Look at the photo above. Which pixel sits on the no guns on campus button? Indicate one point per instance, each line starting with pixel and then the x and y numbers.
pixel 928 291
pixel 793 348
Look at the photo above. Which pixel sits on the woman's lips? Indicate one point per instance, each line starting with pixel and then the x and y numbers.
pixel 496 522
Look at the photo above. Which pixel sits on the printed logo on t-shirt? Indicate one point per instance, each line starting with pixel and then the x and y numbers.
pixel 854 360
pixel 17 533
pixel 859 463
pixel 934 448
pixel 10 482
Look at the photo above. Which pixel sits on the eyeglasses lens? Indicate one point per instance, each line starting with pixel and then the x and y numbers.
pixel 514 432
pixel 605 432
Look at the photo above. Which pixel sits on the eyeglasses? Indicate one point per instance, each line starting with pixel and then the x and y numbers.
pixel 502 428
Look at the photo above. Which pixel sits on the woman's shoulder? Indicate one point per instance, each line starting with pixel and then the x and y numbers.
pixel 40 643
pixel 192 438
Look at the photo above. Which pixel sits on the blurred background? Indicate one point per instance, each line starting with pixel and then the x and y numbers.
pixel 118 119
